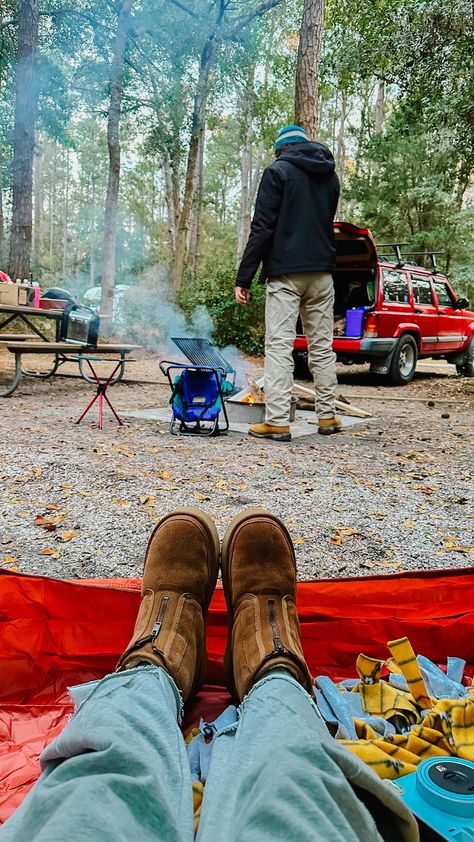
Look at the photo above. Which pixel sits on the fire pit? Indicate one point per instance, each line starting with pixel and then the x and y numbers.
pixel 248 405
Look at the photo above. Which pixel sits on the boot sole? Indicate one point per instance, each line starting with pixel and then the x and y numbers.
pixel 209 525
pixel 247 514
pixel 271 436
pixel 328 431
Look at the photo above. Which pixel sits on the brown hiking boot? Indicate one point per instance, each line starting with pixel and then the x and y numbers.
pixel 179 577
pixel 270 431
pixel 329 426
pixel 259 578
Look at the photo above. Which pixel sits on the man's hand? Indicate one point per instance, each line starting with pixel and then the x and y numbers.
pixel 242 295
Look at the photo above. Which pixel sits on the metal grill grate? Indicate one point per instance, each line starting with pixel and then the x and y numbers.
pixel 201 352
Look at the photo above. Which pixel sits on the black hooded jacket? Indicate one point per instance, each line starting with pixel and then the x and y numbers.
pixel 292 224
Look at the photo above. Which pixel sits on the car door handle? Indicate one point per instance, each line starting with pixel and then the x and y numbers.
pixel 418 311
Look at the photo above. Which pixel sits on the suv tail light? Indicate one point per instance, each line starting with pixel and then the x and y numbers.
pixel 371 327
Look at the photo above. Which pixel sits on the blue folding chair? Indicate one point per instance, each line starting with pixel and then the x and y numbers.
pixel 197 398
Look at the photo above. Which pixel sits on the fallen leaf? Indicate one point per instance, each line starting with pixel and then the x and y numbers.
pixel 298 541
pixel 24 514
pixel 341 534
pixel 125 451
pixel 86 493
pixel 45 523
pixel 147 499
pixel 10 559
pixel 52 507
pixel 123 503
pixel 38 472
pixel 200 496
pixel 165 475
pixel 68 535
pixel 6 541
pixel 50 552
pixel 424 489
pixel 458 549
pixel 408 524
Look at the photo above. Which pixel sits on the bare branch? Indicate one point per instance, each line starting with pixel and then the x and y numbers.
pixel 186 9
pixel 243 20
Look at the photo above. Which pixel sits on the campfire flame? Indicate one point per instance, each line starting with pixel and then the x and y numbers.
pixel 250 398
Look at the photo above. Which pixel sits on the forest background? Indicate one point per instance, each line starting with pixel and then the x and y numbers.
pixel 150 123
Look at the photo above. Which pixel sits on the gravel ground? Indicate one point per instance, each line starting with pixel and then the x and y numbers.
pixel 392 494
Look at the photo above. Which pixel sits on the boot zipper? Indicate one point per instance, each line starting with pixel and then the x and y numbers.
pixel 277 644
pixel 159 620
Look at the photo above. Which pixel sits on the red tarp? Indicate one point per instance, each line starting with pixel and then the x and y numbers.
pixel 54 634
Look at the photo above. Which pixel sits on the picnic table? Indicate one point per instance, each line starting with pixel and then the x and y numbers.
pixel 67 352
pixel 62 352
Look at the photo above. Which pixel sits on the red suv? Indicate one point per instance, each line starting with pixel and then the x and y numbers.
pixel 389 312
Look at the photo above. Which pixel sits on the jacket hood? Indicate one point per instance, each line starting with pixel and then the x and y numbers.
pixel 313 158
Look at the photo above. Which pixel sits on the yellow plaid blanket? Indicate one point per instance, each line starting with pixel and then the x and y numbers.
pixel 438 727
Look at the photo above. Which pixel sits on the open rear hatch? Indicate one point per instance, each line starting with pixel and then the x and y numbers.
pixel 355 279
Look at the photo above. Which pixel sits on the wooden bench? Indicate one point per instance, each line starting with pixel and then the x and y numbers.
pixel 16 337
pixel 62 352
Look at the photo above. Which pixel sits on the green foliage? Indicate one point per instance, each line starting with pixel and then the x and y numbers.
pixel 232 324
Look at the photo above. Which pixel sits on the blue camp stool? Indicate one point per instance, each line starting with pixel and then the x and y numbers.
pixel 197 399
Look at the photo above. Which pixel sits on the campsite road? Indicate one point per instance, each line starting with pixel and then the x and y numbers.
pixel 391 494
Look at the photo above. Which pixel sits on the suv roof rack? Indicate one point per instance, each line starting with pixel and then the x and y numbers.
pixel 397 248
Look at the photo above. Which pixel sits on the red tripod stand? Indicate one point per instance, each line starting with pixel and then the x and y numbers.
pixel 101 390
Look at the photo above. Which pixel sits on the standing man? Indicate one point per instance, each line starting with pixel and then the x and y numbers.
pixel 292 235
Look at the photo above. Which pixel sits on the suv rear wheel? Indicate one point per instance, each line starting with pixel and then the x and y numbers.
pixel 467 367
pixel 403 365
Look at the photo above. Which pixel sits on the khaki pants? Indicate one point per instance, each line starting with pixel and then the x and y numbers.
pixel 312 296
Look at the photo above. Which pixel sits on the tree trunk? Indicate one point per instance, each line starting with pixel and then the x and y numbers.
pixel 380 107
pixel 65 218
pixel 113 141
pixel 26 111
pixel 341 149
pixel 38 204
pixel 379 117
pixel 2 228
pixel 361 134
pixel 52 208
pixel 207 58
pixel 195 228
pixel 172 210
pixel 249 170
pixel 307 67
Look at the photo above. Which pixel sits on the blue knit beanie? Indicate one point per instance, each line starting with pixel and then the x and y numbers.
pixel 290 134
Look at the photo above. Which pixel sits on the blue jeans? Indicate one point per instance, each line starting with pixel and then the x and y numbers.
pixel 120 771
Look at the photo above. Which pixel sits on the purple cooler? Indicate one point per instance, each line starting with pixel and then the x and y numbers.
pixel 355 322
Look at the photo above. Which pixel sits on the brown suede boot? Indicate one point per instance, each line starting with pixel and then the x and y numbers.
pixel 179 577
pixel 269 431
pixel 259 578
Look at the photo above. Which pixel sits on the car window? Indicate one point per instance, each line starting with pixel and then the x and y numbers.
pixel 421 290
pixel 395 286
pixel 443 294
